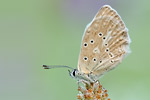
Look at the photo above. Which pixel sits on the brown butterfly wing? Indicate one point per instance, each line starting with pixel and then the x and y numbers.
pixel 105 43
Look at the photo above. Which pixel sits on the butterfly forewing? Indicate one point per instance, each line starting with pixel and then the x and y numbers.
pixel 105 43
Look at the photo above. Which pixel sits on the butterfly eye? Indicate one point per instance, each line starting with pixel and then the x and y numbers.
pixel 74 72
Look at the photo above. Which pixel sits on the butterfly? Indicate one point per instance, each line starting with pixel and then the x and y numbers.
pixel 104 45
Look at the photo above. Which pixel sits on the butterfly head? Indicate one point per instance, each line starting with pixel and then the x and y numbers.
pixel 74 73
pixel 81 76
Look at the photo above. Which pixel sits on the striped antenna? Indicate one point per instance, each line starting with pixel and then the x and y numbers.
pixel 55 66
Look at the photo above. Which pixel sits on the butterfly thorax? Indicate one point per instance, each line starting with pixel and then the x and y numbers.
pixel 82 76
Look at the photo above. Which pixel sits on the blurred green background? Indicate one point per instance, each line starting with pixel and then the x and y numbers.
pixel 37 32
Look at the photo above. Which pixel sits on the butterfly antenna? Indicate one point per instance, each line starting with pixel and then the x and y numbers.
pixel 55 66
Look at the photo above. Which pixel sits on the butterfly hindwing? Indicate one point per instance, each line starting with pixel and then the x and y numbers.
pixel 105 43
